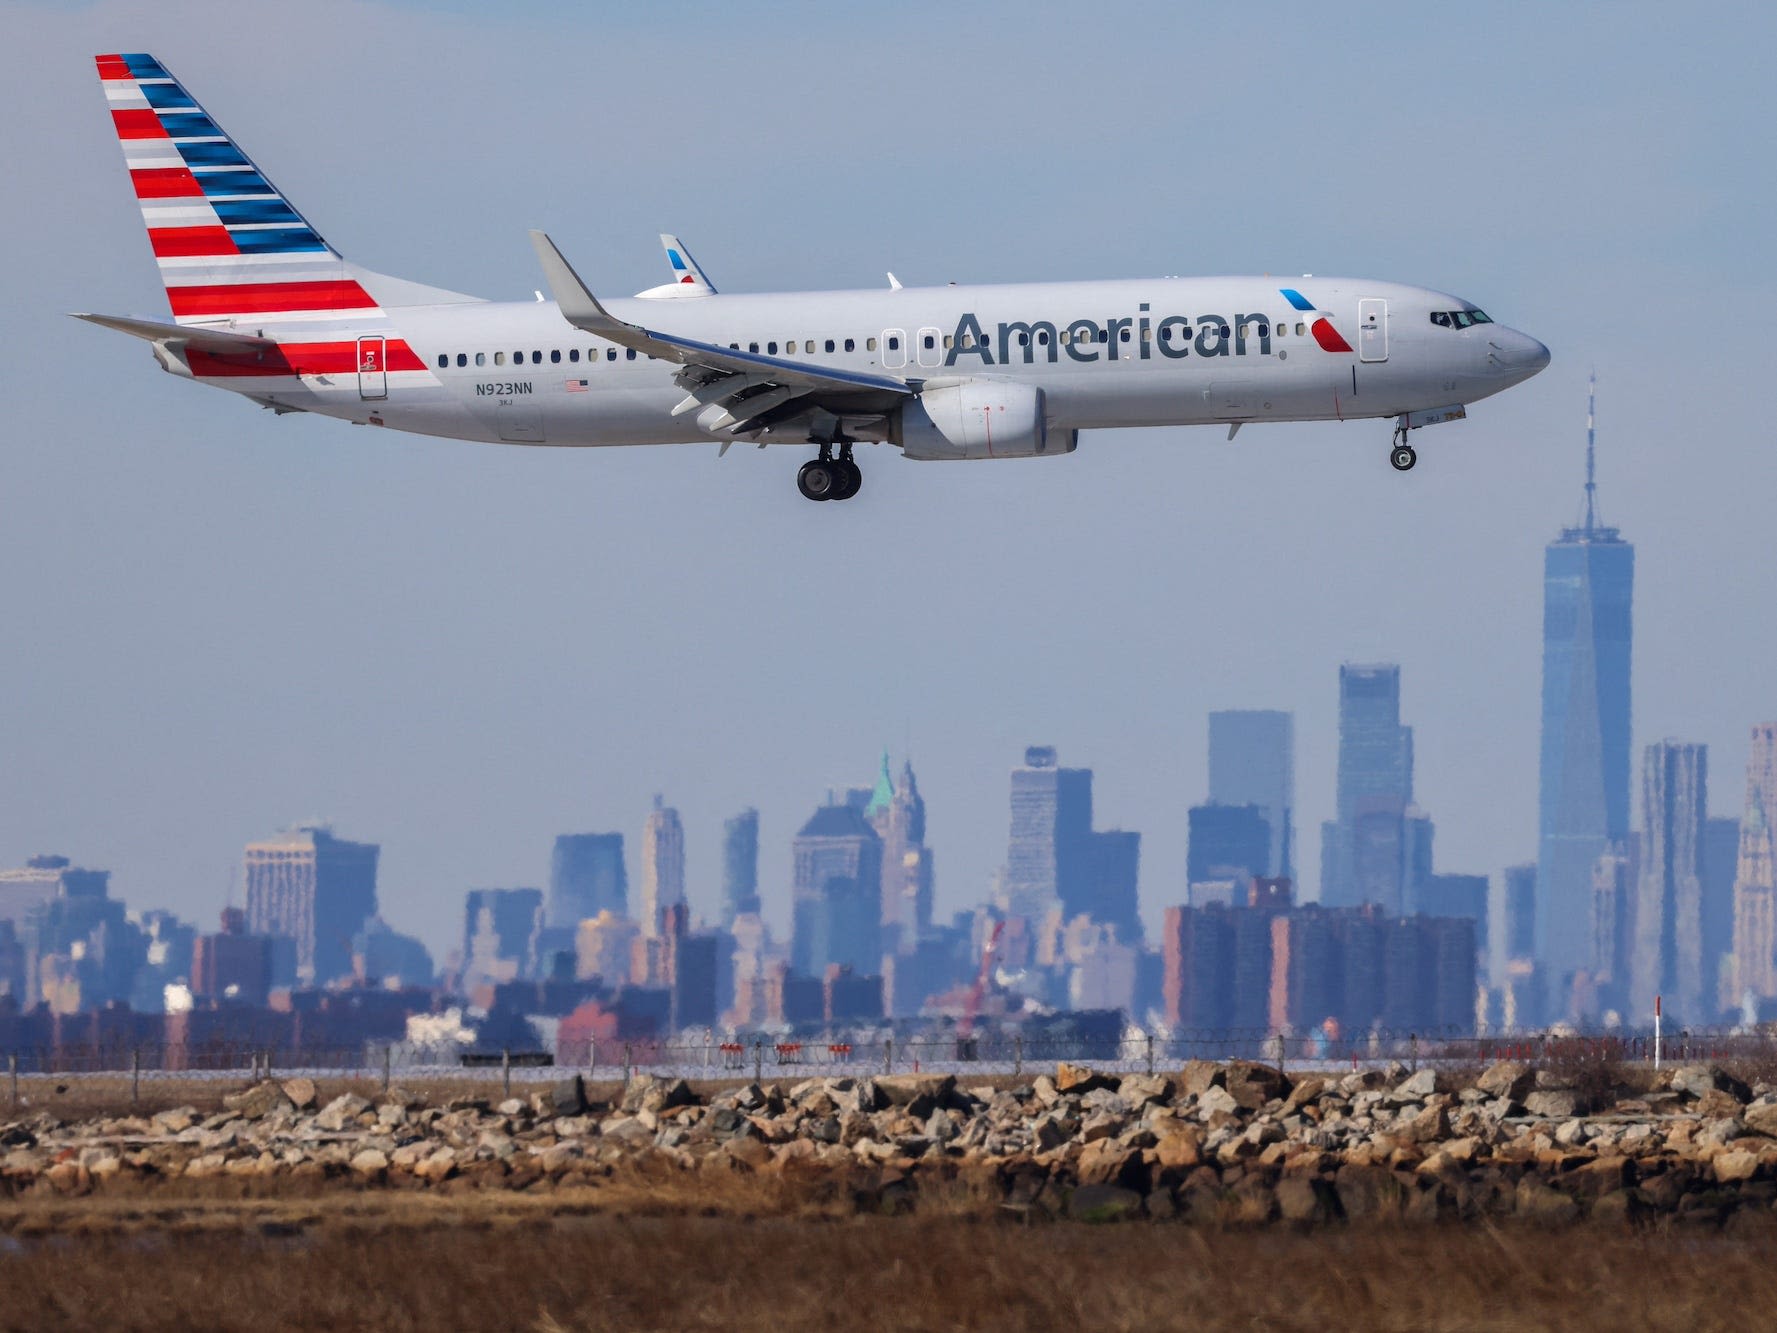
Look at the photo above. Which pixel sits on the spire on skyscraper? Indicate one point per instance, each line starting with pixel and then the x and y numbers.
pixel 884 794
pixel 1591 439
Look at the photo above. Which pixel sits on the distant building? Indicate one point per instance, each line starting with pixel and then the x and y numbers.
pixel 586 877
pixel 1227 842
pixel 1049 853
pixel 232 966
pixel 740 866
pixel 1252 761
pixel 1379 845
pixel 1457 895
pixel 898 815
pixel 81 951
pixel 501 928
pixel 663 865
pixel 1755 876
pixel 836 894
pixel 1113 898
pixel 318 890
pixel 1721 856
pixel 42 879
pixel 847 997
pixel 602 948
pixel 1668 959
pixel 1613 916
pixel 1583 800
pixel 383 955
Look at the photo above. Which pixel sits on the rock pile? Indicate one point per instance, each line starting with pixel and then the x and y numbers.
pixel 1230 1143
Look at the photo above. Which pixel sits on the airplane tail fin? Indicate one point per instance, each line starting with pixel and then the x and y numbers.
pixel 229 244
pixel 686 272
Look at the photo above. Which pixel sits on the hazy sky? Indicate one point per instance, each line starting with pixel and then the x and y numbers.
pixel 219 621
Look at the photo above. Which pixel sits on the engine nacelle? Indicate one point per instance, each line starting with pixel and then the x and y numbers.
pixel 979 419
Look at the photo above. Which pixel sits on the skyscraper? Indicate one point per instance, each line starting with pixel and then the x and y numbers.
pixel 1755 878
pixel 663 865
pixel 1369 854
pixel 836 896
pixel 1669 899
pixel 740 866
pixel 309 886
pixel 899 817
pixel 1252 761
pixel 1227 842
pixel 1048 862
pixel 586 877
pixel 1583 805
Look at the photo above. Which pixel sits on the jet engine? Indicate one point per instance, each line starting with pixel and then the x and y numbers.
pixel 978 419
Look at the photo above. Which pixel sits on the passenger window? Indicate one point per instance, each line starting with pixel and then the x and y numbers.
pixel 929 342
pixel 949 342
pixel 850 345
pixel 610 353
pixel 630 352
pixel 1301 329
pixel 1024 340
pixel 555 355
pixel 481 358
pixel 1042 337
pixel 443 360
pixel 809 346
pixel 1124 335
pixel 752 347
pixel 1067 337
pixel 894 344
pixel 462 359
pixel 573 353
pixel 829 345
pixel 771 349
pixel 499 358
pixel 536 358
pixel 1147 335
pixel 869 344
pixel 734 347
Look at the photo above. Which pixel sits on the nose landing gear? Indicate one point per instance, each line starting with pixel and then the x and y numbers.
pixel 830 478
pixel 1402 455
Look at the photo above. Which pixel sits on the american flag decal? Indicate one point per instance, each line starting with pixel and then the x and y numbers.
pixel 574 386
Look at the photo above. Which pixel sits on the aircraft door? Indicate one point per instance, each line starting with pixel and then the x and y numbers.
pixel 373 368
pixel 930 347
pixel 894 349
pixel 1372 329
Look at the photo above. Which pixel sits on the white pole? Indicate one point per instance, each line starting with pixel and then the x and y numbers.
pixel 1657 1034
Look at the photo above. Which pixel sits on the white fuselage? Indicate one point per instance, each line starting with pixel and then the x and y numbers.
pixel 1106 354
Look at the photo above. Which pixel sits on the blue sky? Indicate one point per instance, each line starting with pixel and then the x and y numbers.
pixel 222 621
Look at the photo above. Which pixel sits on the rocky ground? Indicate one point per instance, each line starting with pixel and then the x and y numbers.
pixel 1221 1144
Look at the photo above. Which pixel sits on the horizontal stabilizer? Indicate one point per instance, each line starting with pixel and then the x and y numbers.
pixel 219 341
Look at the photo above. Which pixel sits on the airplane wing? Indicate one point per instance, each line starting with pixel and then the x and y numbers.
pixel 221 342
pixel 747 386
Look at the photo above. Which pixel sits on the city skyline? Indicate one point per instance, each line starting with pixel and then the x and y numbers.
pixel 507 647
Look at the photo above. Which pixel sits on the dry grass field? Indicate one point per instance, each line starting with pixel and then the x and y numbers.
pixel 544 1269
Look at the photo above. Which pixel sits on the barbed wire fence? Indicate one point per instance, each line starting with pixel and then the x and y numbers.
pixel 760 1057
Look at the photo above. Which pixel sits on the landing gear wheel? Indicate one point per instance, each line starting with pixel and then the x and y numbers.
pixel 820 479
pixel 1403 458
pixel 851 479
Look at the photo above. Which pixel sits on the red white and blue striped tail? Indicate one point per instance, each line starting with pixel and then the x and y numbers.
pixel 229 245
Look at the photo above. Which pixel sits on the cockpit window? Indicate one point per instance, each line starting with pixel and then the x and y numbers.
pixel 1459 319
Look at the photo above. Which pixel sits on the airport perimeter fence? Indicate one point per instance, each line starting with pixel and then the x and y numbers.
pixel 128 1070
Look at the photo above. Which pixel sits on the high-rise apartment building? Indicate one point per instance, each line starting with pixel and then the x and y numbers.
pixel 502 929
pixel 1583 800
pixel 1379 844
pixel 1668 958
pixel 1755 878
pixel 586 877
pixel 663 865
pixel 1252 761
pixel 740 866
pixel 308 886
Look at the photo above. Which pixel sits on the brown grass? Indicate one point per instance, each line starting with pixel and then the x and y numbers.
pixel 535 1268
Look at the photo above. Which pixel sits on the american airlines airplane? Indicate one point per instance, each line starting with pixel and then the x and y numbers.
pixel 262 306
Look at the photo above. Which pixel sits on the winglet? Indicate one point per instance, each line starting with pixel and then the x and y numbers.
pixel 578 305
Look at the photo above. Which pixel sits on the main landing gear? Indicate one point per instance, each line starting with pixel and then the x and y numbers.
pixel 830 478
pixel 1402 455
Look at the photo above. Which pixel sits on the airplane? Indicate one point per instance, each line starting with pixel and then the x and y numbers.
pixel 264 307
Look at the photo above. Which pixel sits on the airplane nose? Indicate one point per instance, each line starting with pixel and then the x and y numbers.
pixel 1517 353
